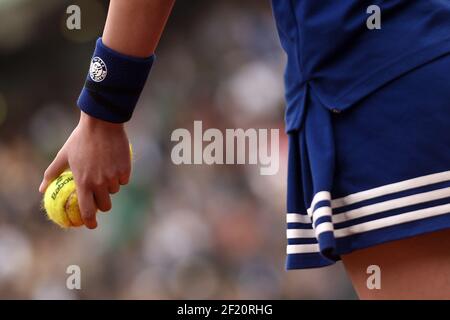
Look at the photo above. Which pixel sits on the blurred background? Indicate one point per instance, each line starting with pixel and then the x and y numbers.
pixel 189 231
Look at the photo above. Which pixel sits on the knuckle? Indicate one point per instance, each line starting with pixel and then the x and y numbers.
pixel 83 181
pixel 99 182
pixel 91 182
pixel 84 185
pixel 96 184
pixel 110 177
pixel 88 215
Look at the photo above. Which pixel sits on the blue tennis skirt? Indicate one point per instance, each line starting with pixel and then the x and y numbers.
pixel 376 172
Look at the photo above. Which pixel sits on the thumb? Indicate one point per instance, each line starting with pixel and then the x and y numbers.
pixel 57 167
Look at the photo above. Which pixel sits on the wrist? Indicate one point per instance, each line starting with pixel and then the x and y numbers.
pixel 113 84
pixel 95 123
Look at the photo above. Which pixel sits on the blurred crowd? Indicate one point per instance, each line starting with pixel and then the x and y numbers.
pixel 189 231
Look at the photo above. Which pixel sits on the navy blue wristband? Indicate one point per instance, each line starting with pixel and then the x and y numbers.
pixel 114 84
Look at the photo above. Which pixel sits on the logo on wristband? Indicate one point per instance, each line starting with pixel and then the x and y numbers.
pixel 98 70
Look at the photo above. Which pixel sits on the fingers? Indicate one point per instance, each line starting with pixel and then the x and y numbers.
pixel 102 199
pixel 58 165
pixel 97 197
pixel 88 207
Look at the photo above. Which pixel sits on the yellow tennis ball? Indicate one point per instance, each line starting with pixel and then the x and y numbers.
pixel 61 201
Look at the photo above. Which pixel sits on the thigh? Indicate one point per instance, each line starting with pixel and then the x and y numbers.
pixel 412 268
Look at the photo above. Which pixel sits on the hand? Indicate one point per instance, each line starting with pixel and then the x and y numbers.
pixel 98 154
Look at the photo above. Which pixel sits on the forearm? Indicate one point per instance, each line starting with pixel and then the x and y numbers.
pixel 123 58
pixel 134 27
